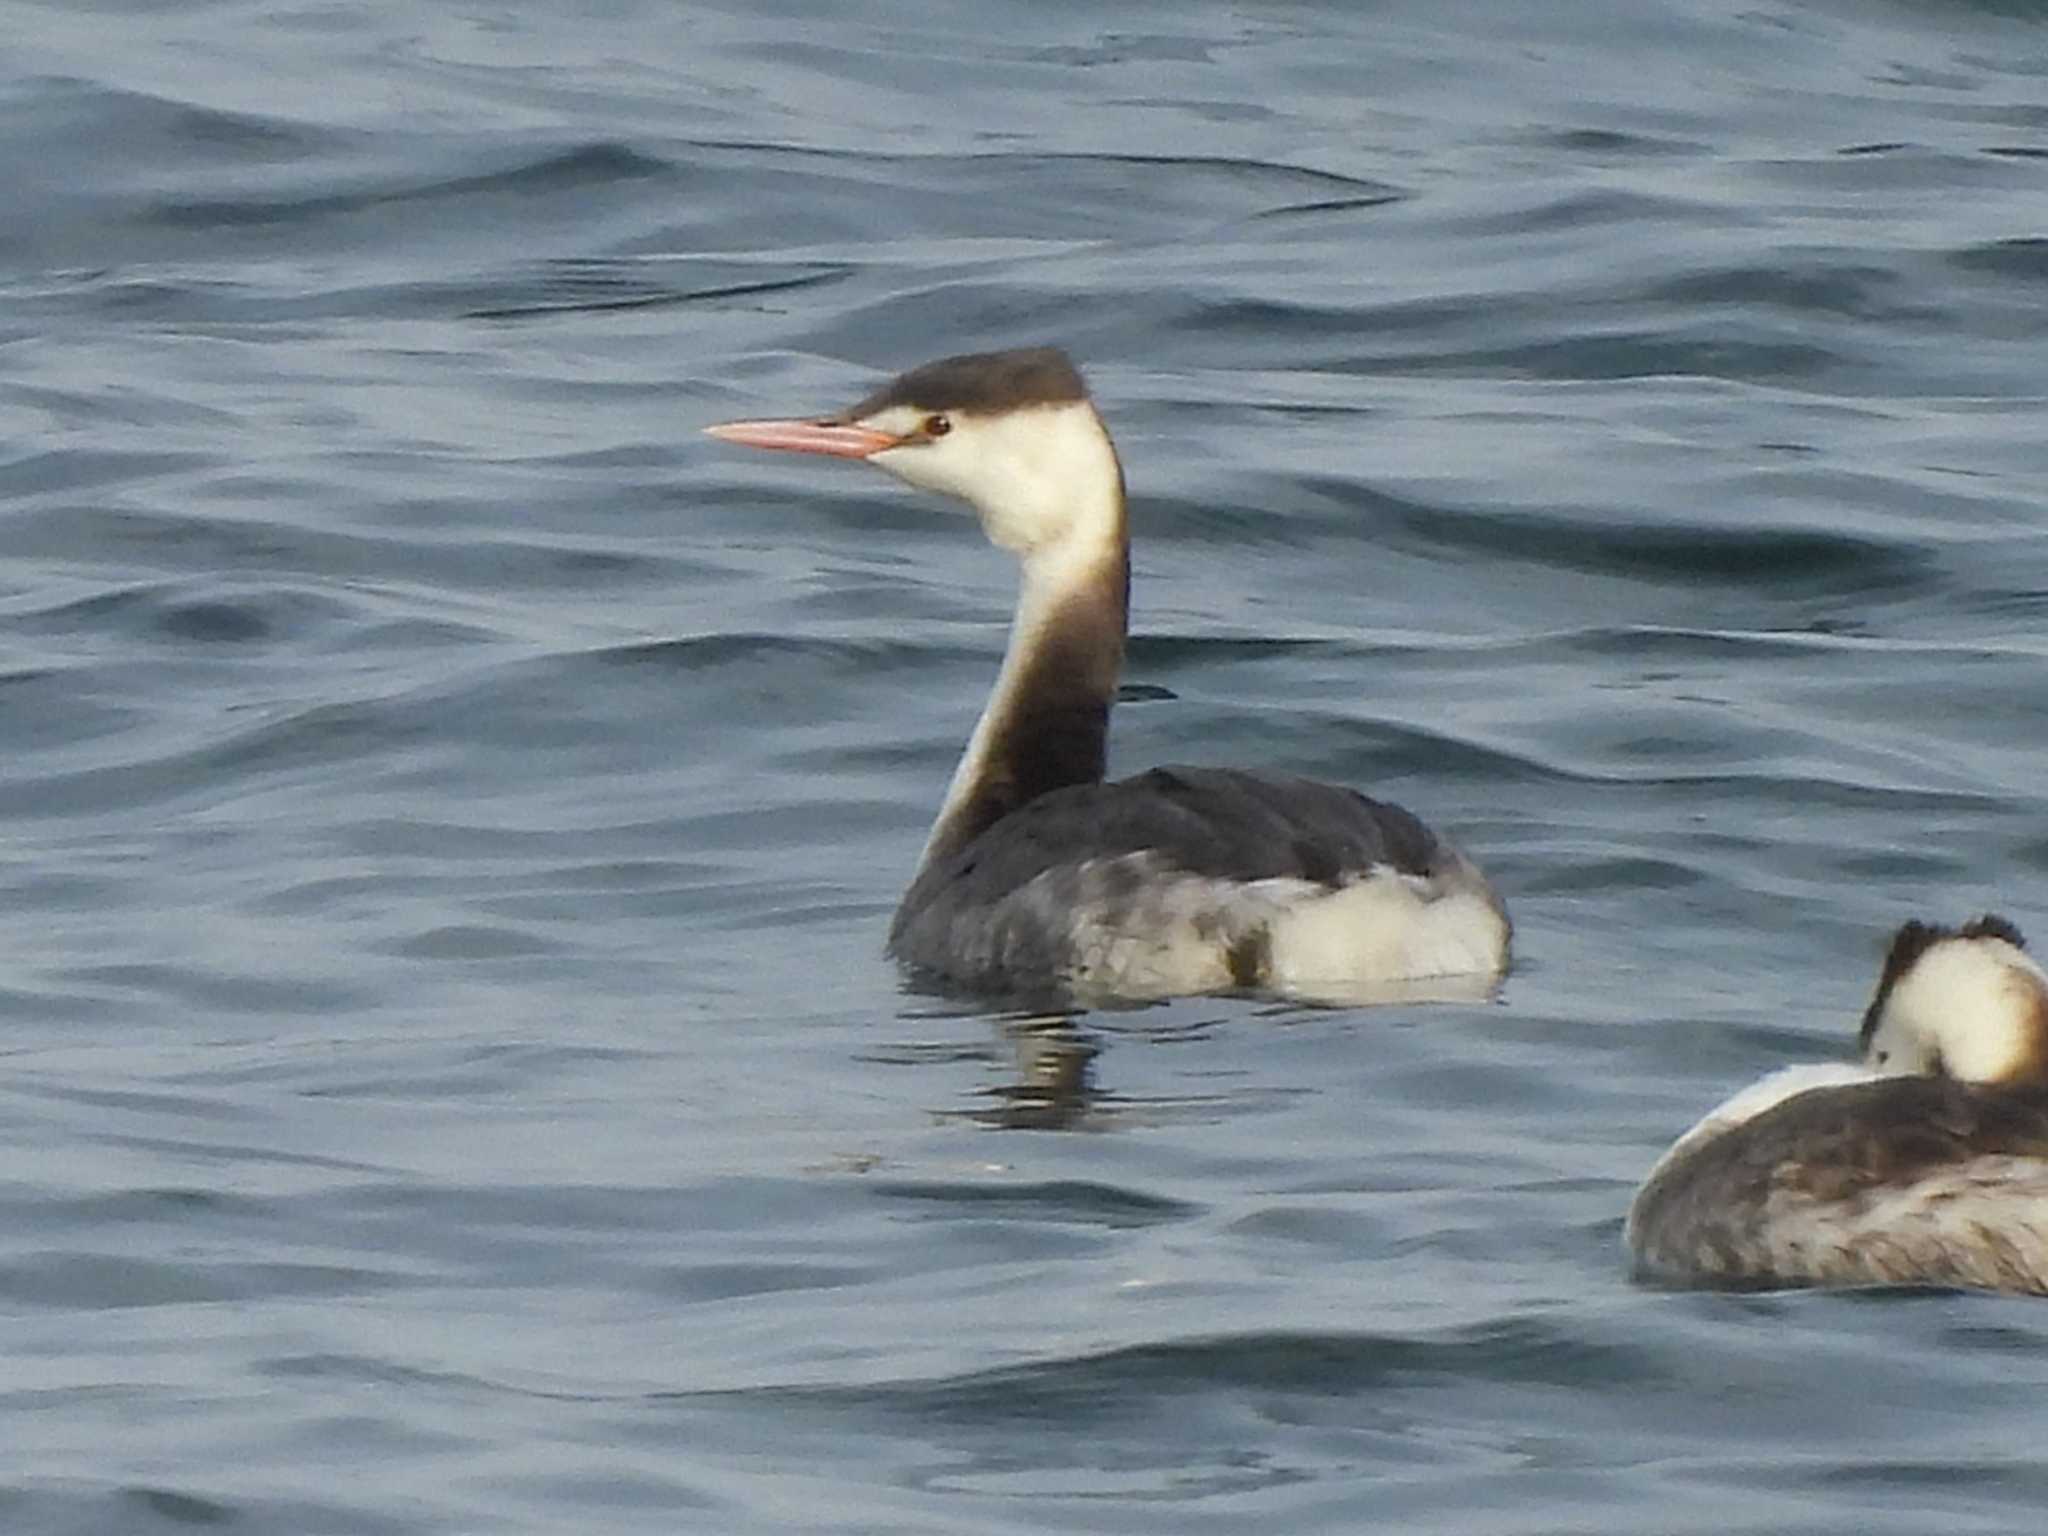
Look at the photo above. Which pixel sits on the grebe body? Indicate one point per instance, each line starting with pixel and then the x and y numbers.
pixel 1038 875
pixel 1926 1163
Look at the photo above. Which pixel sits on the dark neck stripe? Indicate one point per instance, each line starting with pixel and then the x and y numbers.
pixel 1052 728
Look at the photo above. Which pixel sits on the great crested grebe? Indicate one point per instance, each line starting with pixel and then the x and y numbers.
pixel 1040 876
pixel 1925 1164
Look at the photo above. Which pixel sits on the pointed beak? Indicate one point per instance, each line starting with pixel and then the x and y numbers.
pixel 842 440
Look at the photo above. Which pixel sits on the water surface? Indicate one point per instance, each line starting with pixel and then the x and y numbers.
pixel 453 809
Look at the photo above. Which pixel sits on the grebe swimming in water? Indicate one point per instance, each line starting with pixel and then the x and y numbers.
pixel 1040 876
pixel 1925 1164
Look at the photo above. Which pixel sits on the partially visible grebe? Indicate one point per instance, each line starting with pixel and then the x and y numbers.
pixel 1037 874
pixel 1927 1164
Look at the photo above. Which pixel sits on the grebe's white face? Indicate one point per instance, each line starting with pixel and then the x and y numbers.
pixel 1974 1008
pixel 1039 476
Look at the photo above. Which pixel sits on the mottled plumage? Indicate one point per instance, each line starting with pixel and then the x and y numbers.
pixel 1218 851
pixel 1894 1181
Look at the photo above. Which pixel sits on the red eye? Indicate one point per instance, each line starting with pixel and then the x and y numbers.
pixel 937 426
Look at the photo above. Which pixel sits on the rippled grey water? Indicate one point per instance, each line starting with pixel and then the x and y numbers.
pixel 451 809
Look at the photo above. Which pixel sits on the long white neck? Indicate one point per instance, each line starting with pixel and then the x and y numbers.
pixel 1046 723
pixel 1046 485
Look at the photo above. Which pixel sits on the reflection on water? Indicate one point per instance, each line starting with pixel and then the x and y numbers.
pixel 1048 1059
pixel 1054 1088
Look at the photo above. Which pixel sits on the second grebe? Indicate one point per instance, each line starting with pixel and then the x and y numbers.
pixel 1037 874
pixel 1925 1164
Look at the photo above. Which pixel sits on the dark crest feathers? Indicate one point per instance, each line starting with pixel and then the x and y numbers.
pixel 1992 926
pixel 980 384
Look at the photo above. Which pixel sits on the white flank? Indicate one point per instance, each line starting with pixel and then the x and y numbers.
pixel 1383 928
pixel 1384 937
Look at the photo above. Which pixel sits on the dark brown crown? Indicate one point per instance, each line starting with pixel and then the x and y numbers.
pixel 980 384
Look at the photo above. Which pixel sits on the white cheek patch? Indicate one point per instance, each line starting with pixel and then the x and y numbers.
pixel 1037 476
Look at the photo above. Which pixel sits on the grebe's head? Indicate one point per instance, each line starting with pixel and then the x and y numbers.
pixel 1013 434
pixel 1966 1002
